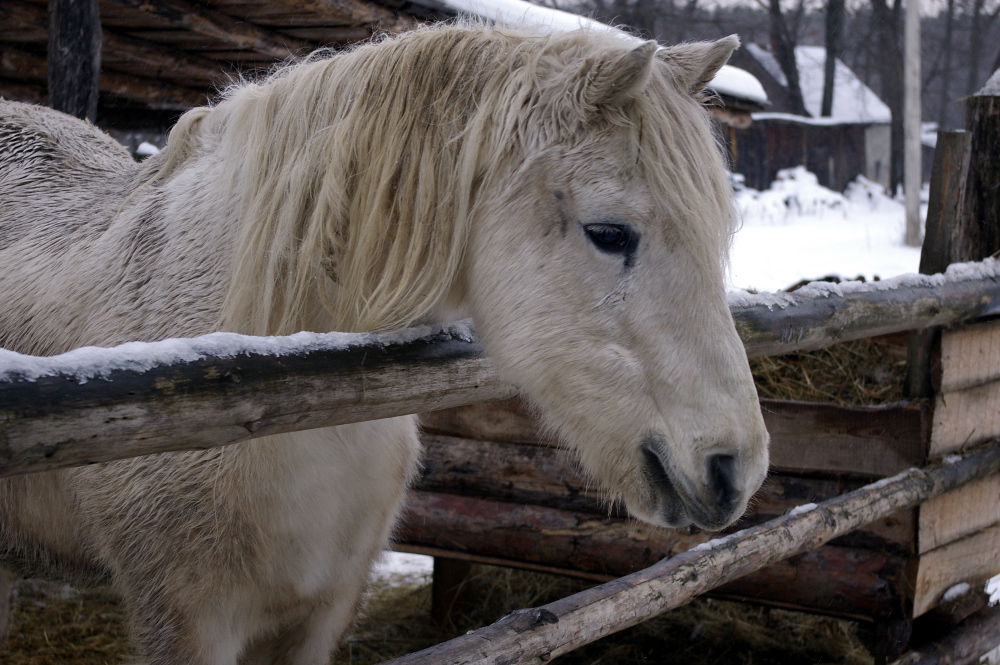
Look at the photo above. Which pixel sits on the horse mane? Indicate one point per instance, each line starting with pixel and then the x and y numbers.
pixel 356 175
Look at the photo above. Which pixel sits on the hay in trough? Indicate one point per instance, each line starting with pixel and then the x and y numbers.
pixel 866 371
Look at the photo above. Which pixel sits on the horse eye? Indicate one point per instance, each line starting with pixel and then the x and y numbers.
pixel 612 238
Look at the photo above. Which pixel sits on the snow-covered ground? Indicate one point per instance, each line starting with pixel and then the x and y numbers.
pixel 798 230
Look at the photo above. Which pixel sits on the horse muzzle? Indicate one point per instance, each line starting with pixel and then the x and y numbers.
pixel 715 498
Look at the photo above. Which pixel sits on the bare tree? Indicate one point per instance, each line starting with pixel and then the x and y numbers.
pixel 834 37
pixel 783 39
pixel 888 22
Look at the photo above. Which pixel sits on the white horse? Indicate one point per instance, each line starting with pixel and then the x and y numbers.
pixel 565 191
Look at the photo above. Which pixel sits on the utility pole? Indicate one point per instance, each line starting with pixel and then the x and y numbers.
pixel 912 170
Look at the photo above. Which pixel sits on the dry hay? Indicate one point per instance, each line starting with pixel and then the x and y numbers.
pixel 866 371
pixel 86 628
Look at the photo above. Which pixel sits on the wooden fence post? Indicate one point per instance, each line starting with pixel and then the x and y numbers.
pixel 980 235
pixel 74 57
pixel 446 590
pixel 948 177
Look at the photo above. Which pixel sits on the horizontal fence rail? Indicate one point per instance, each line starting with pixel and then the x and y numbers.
pixel 539 634
pixel 97 405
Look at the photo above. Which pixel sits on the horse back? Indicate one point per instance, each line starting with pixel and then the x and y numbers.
pixel 54 169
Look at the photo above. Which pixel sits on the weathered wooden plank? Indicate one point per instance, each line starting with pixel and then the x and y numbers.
pixel 546 477
pixel 970 356
pixel 972 559
pixel 59 420
pixel 539 634
pixel 981 203
pixel 130 55
pixel 23 92
pixel 841 580
pixel 74 57
pixel 157 94
pixel 205 21
pixel 959 513
pixel 947 188
pixel 965 417
pixel 872 441
pixel 823 314
pixel 967 644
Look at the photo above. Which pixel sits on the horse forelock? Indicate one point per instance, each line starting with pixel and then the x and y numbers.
pixel 355 175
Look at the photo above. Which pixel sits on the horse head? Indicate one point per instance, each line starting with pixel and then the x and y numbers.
pixel 595 274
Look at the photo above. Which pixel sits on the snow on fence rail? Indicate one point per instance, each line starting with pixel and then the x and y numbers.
pixel 539 634
pixel 94 405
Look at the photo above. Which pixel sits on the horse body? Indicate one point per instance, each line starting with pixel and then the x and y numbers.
pixel 562 190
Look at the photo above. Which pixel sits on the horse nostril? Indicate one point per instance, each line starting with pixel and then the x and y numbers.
pixel 722 479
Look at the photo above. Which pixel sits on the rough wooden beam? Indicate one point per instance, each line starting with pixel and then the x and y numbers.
pixel 356 12
pixel 157 94
pixel 981 203
pixel 23 92
pixel 865 441
pixel 131 55
pixel 947 189
pixel 203 20
pixel 74 57
pixel 821 314
pixel 66 418
pixel 967 644
pixel 539 634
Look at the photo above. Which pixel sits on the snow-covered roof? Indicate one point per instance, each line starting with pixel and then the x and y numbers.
pixel 729 81
pixel 853 101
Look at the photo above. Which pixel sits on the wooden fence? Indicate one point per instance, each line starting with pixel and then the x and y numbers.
pixel 86 407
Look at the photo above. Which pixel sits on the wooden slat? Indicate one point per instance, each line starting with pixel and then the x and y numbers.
pixel 129 55
pixel 973 559
pixel 549 478
pixel 959 513
pixel 872 441
pixel 965 417
pixel 23 92
pixel 58 421
pixel 970 356
pixel 540 634
pixel 226 29
pixel 967 644
pixel 804 321
pixel 839 580
pixel 156 94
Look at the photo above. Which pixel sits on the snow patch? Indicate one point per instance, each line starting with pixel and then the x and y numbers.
pixel 953 459
pixel 712 544
pixel 804 508
pixel 993 589
pixel 798 229
pixel 992 86
pixel 147 149
pixel 956 592
pixel 92 362
pixel 402 568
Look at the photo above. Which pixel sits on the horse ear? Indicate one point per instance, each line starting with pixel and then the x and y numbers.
pixel 696 64
pixel 616 79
